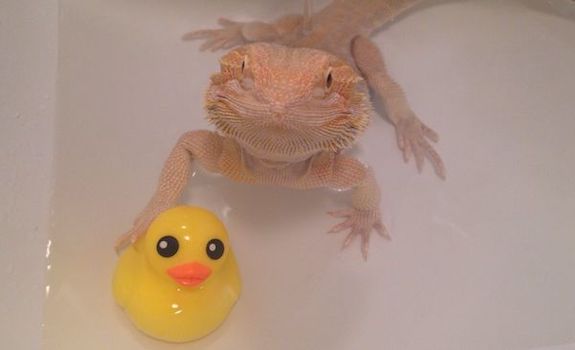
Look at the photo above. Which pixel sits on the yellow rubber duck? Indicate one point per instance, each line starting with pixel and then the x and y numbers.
pixel 180 281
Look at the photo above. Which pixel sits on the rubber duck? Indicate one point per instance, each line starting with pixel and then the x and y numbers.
pixel 180 280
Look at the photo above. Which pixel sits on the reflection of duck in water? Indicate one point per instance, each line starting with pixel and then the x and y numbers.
pixel 180 281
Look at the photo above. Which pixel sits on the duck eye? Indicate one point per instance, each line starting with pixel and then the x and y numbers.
pixel 328 80
pixel 215 249
pixel 167 246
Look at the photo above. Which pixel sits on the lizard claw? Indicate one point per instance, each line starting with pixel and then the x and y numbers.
pixel 224 22
pixel 124 241
pixel 130 237
pixel 139 228
pixel 228 36
pixel 413 140
pixel 360 223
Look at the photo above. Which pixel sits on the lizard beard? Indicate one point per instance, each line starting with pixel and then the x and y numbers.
pixel 296 137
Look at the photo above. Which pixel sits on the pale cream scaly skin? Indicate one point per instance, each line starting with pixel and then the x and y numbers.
pixel 288 101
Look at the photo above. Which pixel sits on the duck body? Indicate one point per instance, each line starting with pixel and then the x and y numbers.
pixel 179 282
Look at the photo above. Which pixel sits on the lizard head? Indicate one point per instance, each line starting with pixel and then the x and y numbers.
pixel 287 104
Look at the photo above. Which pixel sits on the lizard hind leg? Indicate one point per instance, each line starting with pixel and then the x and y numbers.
pixel 228 36
pixel 232 33
pixel 413 136
pixel 307 16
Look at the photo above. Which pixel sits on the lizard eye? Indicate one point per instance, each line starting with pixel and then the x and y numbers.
pixel 245 78
pixel 244 63
pixel 328 81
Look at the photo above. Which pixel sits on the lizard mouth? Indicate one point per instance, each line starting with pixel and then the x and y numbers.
pixel 300 133
pixel 283 144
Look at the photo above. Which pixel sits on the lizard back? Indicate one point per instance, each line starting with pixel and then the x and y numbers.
pixel 335 26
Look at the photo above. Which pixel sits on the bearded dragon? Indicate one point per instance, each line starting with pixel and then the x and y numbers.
pixel 288 101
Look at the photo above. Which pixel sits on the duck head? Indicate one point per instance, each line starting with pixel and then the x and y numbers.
pixel 186 245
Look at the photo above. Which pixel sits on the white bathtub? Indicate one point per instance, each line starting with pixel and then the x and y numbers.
pixel 484 260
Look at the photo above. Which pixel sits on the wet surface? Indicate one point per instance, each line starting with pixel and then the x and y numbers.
pixel 483 260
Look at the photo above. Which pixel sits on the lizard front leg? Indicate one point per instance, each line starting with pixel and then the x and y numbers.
pixel 412 135
pixel 344 172
pixel 203 145
pixel 234 33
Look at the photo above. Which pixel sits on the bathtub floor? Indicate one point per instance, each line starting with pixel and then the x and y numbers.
pixel 484 260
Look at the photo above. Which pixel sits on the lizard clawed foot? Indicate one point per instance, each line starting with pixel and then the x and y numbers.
pixel 139 228
pixel 228 36
pixel 127 239
pixel 360 223
pixel 412 139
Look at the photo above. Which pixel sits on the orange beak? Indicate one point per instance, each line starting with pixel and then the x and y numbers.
pixel 191 274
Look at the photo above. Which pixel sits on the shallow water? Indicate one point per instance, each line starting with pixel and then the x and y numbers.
pixel 482 261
